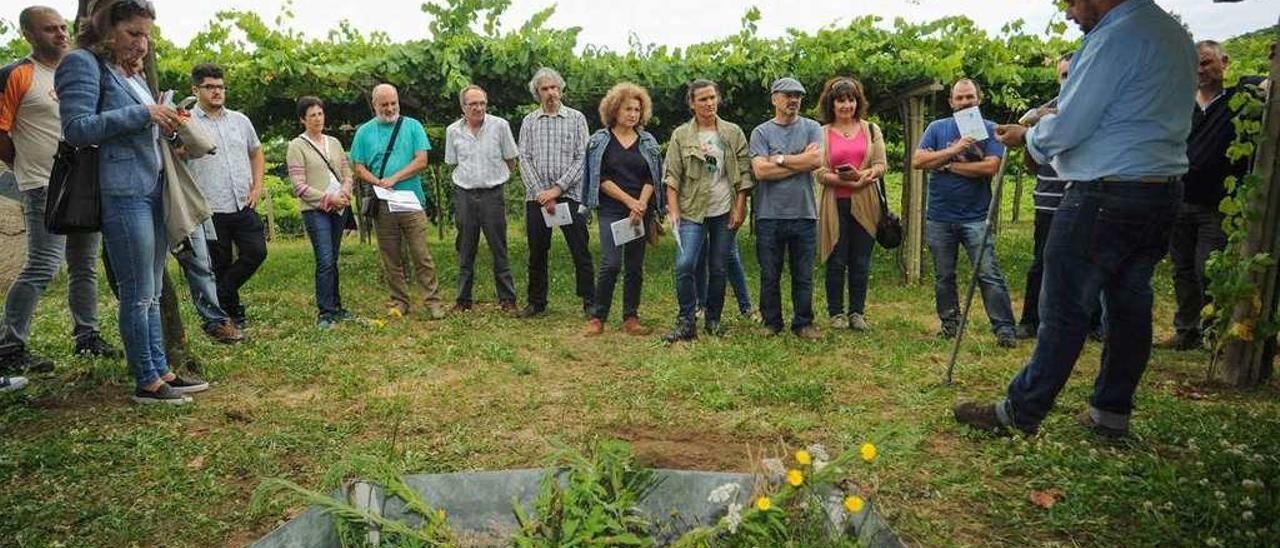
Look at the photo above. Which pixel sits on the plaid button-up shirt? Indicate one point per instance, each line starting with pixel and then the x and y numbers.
pixel 553 148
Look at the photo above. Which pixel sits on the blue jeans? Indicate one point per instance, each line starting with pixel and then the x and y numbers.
pixel 197 268
pixel 796 241
pixel 45 253
pixel 736 276
pixel 324 229
pixel 944 240
pixel 706 241
pixel 849 265
pixel 1105 237
pixel 134 234
pixel 627 259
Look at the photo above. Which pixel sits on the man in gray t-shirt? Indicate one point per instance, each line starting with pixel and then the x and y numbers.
pixel 784 152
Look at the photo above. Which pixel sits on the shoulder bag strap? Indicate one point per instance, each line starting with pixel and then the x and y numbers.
pixel 395 132
pixel 329 165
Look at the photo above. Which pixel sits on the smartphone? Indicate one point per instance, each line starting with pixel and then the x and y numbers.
pixel 187 103
pixel 844 168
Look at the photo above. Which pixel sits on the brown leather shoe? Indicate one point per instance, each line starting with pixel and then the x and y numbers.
pixel 225 333
pixel 632 327
pixel 509 307
pixel 809 332
pixel 594 327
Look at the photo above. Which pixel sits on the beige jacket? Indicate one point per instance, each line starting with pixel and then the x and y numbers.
pixel 865 202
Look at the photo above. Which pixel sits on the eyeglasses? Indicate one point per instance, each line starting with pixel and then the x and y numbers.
pixel 212 87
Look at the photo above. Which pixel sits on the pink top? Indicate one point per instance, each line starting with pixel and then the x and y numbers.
pixel 843 150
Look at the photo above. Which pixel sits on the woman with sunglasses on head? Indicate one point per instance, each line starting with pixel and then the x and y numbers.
pixel 849 207
pixel 104 100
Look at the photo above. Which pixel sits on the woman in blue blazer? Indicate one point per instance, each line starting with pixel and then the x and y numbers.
pixel 104 100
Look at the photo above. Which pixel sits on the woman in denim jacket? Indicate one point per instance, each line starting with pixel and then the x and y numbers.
pixel 623 168
pixel 105 100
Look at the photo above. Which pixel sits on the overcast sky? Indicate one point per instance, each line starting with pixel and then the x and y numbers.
pixel 671 22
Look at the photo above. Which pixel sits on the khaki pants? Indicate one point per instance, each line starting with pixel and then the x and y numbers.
pixel 395 230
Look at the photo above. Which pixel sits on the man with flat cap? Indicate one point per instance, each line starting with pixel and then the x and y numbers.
pixel 784 152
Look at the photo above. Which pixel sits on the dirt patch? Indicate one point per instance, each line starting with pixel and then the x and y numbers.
pixel 13 240
pixel 694 450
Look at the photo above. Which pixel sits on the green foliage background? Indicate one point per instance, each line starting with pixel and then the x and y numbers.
pixel 269 65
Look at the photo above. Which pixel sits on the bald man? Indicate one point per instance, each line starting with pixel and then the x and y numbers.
pixel 389 152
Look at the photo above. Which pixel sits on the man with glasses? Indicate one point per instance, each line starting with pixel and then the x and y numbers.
pixel 483 152
pixel 232 182
pixel 784 152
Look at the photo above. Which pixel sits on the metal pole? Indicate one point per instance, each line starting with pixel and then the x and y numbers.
pixel 973 279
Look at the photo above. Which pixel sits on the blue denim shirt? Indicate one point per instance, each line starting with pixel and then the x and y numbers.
pixel 1123 112
pixel 595 154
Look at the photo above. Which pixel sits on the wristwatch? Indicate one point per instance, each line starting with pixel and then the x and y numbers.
pixel 779 159
pixel 945 167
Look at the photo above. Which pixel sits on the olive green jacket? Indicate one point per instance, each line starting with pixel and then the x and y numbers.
pixel 685 169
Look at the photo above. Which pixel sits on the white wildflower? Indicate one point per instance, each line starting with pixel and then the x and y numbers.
pixel 819 452
pixel 1212 541
pixel 723 494
pixel 1247 515
pixel 1219 494
pixel 733 519
pixel 1247 502
pixel 774 467
pixel 819 464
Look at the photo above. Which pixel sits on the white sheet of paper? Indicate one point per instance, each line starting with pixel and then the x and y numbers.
pixel 971 125
pixel 398 201
pixel 561 217
pixel 625 232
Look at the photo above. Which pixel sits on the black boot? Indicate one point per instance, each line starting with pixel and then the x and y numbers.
pixel 685 330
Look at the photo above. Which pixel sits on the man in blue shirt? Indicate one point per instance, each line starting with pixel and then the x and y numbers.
pixel 406 157
pixel 1119 139
pixel 959 197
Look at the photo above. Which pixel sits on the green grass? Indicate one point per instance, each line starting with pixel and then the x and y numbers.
pixel 80 466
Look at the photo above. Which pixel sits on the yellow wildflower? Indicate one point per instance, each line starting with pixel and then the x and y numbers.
pixel 868 451
pixel 763 504
pixel 1208 311
pixel 803 457
pixel 795 477
pixel 1242 331
pixel 853 504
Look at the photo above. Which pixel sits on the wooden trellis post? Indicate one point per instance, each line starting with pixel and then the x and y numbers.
pixel 913 180
pixel 1249 363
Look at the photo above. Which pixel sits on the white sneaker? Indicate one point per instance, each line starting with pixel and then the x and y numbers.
pixel 839 322
pixel 12 384
pixel 857 322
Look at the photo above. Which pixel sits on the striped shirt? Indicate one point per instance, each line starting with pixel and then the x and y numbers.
pixel 225 177
pixel 1049 188
pixel 480 158
pixel 553 148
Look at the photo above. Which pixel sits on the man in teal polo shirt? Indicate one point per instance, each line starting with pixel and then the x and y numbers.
pixel 395 225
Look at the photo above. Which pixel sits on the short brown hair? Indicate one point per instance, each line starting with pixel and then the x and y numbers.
pixel 306 102
pixel 620 94
pixel 842 87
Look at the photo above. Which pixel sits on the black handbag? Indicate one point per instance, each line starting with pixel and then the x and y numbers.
pixel 889 229
pixel 73 201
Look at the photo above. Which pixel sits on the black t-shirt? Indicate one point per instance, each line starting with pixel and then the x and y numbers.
pixel 625 166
